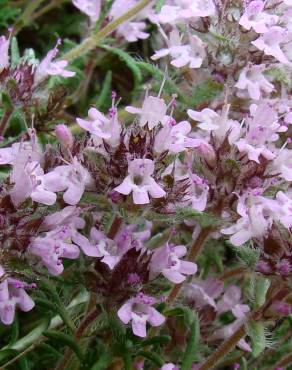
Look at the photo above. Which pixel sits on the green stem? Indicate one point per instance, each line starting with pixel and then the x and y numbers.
pixel 92 41
pixel 4 121
pixel 25 17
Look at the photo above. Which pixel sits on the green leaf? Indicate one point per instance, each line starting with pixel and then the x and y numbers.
pixel 15 56
pixel 261 286
pixel 192 345
pixel 7 353
pixel 153 357
pixel 59 306
pixel 103 362
pixel 129 61
pixel 105 92
pixel 65 339
pixel 203 218
pixel 258 338
pixel 249 256
pixel 157 340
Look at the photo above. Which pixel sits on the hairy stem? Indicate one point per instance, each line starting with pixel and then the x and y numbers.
pixel 92 41
pixel 224 349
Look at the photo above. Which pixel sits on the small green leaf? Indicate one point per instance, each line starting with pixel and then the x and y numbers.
pixel 261 287
pixel 66 340
pixel 103 362
pixel 105 92
pixel 15 56
pixel 128 60
pixel 154 341
pixel 152 356
pixel 258 338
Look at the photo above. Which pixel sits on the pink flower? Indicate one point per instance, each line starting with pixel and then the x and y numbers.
pixel 69 217
pixel 101 127
pixel 4 52
pixel 89 7
pixel 72 178
pixel 199 191
pixel 64 136
pixel 52 248
pixel 207 117
pixel 49 68
pixel 231 302
pixel 262 128
pixel 270 42
pixel 186 10
pixel 174 137
pixel 255 219
pixel 254 17
pixel 140 182
pixel 107 248
pixel 130 30
pixel 252 79
pixel 204 292
pixel 183 54
pixel 139 311
pixel 282 165
pixel 29 182
pixel 166 260
pixel 226 332
pixel 12 295
pixel 169 366
pixel 153 111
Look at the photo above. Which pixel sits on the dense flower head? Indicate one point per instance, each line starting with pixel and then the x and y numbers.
pixel 164 202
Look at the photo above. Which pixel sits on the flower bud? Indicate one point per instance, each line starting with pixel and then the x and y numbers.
pixel 64 136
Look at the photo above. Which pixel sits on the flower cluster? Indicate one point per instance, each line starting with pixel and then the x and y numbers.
pixel 132 198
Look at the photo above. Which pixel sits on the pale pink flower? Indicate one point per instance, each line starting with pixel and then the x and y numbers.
pixel 253 80
pixel 13 295
pixel 52 248
pixel 132 30
pixel 192 53
pixel 204 292
pixel 139 311
pixel 101 127
pixel 255 218
pixel 282 165
pixel 254 17
pixel 71 178
pixel 140 182
pixel 4 52
pixel 262 128
pixel 226 332
pixel 174 137
pixel 186 10
pixel 231 302
pixel 153 111
pixel 64 136
pixel 89 7
pixel 270 43
pixel 198 193
pixel 167 261
pixel 48 67
pixel 29 182
pixel 208 119
pixel 169 366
